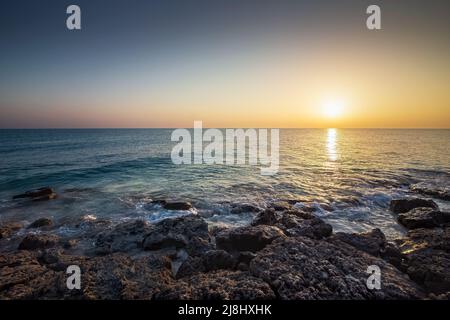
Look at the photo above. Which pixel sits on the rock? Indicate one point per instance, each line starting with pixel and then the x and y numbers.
pixel 372 242
pixel 427 262
pixel 305 268
pixel 281 206
pixel 191 266
pixel 175 232
pixel 431 190
pixel 7 229
pixel 38 241
pixel 245 257
pixel 245 207
pixel 177 205
pixel 267 217
pixel 219 285
pixel 404 205
pixel 42 222
pixel 218 259
pixel 125 237
pixel 423 218
pixel 45 193
pixel 249 238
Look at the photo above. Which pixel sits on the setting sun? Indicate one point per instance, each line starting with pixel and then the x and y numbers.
pixel 333 108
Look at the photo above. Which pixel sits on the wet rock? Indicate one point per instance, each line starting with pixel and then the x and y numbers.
pixel 281 206
pixel 125 237
pixel 423 218
pixel 268 217
pixel 431 190
pixel 305 268
pixel 249 238
pixel 176 232
pixel 305 225
pixel 405 205
pixel 244 207
pixel 8 229
pixel 372 242
pixel 427 262
pixel 38 241
pixel 177 205
pixel 246 256
pixel 42 222
pixel 45 193
pixel 219 285
pixel 191 266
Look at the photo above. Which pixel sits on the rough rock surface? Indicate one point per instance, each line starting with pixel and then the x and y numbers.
pixel 176 232
pixel 431 190
pixel 249 238
pixel 424 218
pixel 305 268
pixel 45 193
pixel 404 205
pixel 38 241
pixel 42 222
pixel 7 229
pixel 125 237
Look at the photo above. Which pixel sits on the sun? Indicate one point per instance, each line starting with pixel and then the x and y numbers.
pixel 333 108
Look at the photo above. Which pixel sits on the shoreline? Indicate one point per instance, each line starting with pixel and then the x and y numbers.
pixel 285 253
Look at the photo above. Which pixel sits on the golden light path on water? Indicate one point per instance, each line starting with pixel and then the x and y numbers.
pixel 331 144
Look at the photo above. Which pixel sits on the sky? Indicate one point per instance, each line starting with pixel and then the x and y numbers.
pixel 228 63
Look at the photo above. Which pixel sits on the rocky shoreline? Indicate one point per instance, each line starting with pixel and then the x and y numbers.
pixel 285 253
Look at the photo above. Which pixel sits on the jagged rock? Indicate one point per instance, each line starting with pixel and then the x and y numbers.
pixel 7 229
pixel 219 285
pixel 427 262
pixel 404 205
pixel 295 223
pixel 431 190
pixel 190 266
pixel 423 218
pixel 218 259
pixel 268 217
pixel 249 238
pixel 245 207
pixel 175 232
pixel 177 205
pixel 372 242
pixel 38 241
pixel 45 193
pixel 305 268
pixel 125 237
pixel 42 222
pixel 281 206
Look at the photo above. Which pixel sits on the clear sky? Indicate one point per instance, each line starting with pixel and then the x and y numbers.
pixel 229 63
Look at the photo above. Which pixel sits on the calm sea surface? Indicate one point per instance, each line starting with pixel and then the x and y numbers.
pixel 348 175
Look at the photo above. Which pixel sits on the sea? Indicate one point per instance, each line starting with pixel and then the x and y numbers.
pixel 347 176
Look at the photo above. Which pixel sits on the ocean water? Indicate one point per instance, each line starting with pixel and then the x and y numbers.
pixel 347 175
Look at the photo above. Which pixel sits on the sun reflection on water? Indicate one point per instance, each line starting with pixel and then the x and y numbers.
pixel 331 144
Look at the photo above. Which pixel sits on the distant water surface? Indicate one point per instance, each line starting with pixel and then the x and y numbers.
pixel 348 175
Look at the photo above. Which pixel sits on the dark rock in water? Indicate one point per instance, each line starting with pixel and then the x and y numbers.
pixel 177 205
pixel 38 241
pixel 125 237
pixel 427 253
pixel 372 242
pixel 218 285
pixel 175 232
pixel 425 189
pixel 281 206
pixel 249 238
pixel 304 225
pixel 7 229
pixel 42 222
pixel 305 268
pixel 245 207
pixel 198 245
pixel 268 217
pixel 423 218
pixel 295 223
pixel 45 193
pixel 405 205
